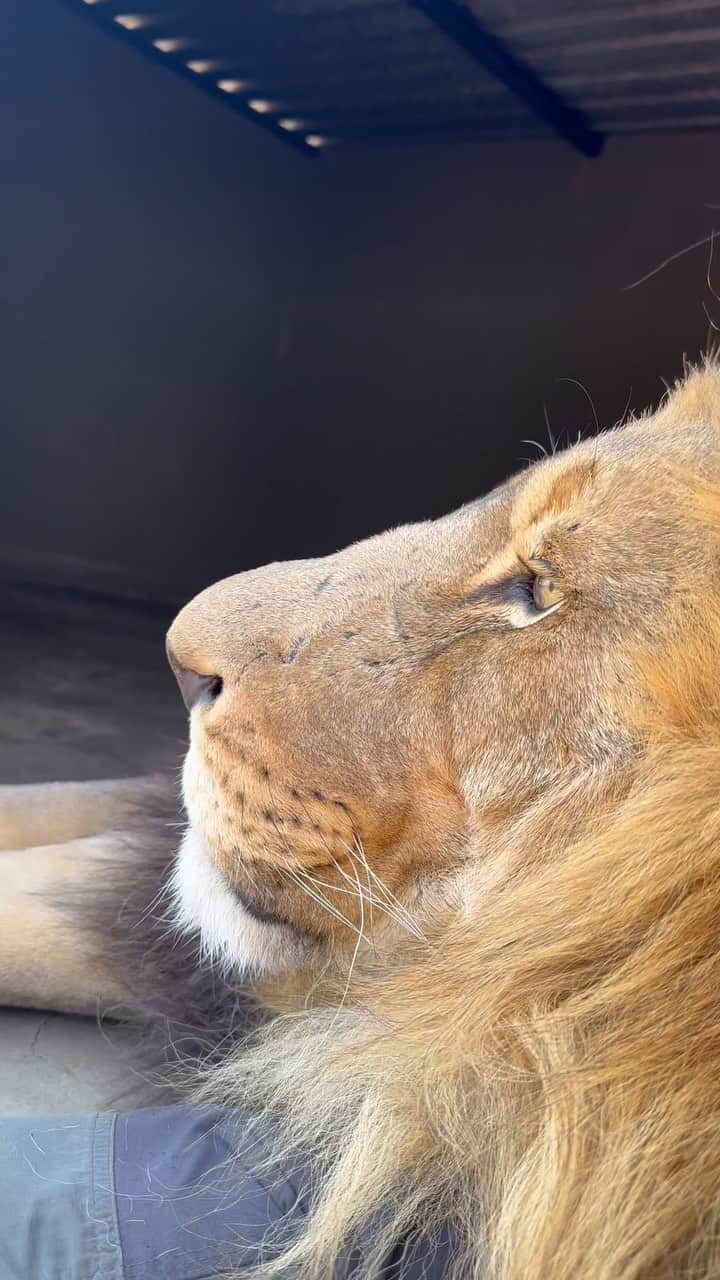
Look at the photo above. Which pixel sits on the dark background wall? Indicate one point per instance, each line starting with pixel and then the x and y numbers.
pixel 216 352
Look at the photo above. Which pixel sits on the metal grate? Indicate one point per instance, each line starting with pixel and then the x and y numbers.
pixel 329 72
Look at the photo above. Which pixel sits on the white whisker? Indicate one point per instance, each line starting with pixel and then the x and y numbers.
pixel 318 898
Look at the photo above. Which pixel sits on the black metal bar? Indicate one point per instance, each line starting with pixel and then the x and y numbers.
pixel 461 25
pixel 141 40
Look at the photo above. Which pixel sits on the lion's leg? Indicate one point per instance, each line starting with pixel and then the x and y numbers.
pixel 46 955
pixel 53 812
pixel 88 924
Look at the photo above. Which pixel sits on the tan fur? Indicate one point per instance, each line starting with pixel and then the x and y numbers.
pixel 523 824
pixel 55 812
pixel 44 962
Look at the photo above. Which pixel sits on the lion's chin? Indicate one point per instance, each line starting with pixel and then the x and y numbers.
pixel 231 937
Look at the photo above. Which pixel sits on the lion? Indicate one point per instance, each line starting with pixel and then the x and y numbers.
pixel 452 847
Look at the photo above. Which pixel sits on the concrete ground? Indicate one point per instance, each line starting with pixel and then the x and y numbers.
pixel 85 693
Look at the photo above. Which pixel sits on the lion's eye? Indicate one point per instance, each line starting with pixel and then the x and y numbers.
pixel 523 600
pixel 546 593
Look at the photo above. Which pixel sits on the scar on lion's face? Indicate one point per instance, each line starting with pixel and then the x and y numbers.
pixel 380 716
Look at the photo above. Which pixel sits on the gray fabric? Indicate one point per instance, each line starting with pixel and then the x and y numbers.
pixel 165 1194
pixel 419 1259
pixel 188 1200
pixel 160 1194
pixel 57 1208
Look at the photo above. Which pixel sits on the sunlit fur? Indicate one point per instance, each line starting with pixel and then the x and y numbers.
pixel 537 1061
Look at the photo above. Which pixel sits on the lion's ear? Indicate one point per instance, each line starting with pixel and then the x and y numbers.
pixel 695 399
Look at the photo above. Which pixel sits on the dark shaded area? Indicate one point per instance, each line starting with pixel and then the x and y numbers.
pixel 215 353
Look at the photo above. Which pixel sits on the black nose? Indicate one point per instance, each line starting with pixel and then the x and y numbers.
pixel 196 690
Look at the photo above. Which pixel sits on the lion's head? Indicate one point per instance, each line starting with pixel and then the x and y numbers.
pixel 368 725
pixel 463 779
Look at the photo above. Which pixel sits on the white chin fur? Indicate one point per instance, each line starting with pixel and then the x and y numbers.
pixel 230 936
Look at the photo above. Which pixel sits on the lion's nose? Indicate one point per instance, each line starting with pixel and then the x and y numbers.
pixel 196 689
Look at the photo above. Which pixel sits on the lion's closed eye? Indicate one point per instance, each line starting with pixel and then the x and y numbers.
pixel 535 599
pixel 544 592
pixel 522 599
